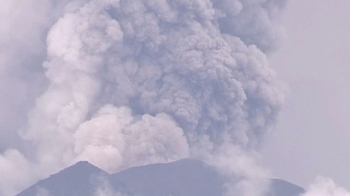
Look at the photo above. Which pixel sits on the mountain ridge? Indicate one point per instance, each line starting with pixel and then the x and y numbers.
pixel 186 177
pixel 81 178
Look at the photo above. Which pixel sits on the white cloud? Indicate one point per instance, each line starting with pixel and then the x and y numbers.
pixel 114 140
pixel 103 188
pixel 325 187
pixel 16 172
pixel 42 192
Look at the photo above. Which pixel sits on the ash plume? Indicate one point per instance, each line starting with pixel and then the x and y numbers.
pixel 130 83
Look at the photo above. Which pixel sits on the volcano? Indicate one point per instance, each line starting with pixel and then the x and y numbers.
pixel 186 177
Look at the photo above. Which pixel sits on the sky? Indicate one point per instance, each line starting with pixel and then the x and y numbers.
pixel 312 135
pixel 84 79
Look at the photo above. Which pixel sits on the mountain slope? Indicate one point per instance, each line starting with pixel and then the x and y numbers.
pixel 81 179
pixel 185 177
pixel 280 187
pixel 188 177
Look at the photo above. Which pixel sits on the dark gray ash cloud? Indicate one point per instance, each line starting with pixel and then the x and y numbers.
pixel 125 83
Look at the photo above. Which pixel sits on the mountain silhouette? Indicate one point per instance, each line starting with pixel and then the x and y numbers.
pixel 187 177
pixel 80 179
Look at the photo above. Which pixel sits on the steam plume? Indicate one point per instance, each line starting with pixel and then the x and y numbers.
pixel 145 81
pixel 325 187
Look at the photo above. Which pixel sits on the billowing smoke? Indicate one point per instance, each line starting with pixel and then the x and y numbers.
pixel 42 192
pixel 325 187
pixel 137 82
pixel 103 187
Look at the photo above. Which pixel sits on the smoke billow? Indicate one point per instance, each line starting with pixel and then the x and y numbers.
pixel 147 81
pixel 325 187
pixel 103 188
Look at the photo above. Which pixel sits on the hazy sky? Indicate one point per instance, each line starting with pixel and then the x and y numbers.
pixel 312 135
pixel 199 86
